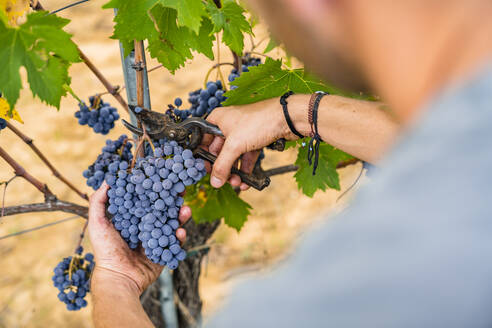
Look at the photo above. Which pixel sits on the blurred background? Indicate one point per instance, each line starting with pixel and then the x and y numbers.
pixel 27 298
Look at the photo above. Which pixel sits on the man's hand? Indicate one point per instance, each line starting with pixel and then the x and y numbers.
pixel 114 259
pixel 247 129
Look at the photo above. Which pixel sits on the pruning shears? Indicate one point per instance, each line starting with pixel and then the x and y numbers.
pixel 189 134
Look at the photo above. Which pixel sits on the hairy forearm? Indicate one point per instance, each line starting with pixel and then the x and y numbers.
pixel 116 302
pixel 363 129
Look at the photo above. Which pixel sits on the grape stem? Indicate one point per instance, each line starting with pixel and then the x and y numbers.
pixel 143 138
pixel 212 69
pixel 224 85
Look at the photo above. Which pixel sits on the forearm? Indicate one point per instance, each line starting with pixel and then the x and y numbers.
pixel 116 302
pixel 363 129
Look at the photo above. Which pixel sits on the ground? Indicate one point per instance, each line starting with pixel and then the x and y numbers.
pixel 27 297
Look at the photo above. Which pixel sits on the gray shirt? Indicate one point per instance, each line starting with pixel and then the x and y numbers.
pixel 414 250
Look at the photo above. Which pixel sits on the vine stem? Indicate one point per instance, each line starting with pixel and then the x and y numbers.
pixel 212 69
pixel 109 87
pixel 50 206
pixel 224 85
pixel 20 171
pixel 293 168
pixel 56 173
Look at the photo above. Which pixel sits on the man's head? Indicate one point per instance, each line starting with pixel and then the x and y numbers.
pixel 402 50
pixel 311 31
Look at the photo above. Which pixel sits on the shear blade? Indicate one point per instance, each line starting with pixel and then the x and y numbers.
pixel 132 128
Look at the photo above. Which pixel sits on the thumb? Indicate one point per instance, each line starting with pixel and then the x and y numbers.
pixel 222 168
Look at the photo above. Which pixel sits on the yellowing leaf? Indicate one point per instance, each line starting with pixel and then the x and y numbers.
pixel 14 9
pixel 6 113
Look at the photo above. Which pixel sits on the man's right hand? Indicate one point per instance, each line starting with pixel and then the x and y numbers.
pixel 247 129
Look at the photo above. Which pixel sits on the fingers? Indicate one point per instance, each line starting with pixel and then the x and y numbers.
pixel 101 231
pixel 181 235
pixel 97 206
pixel 248 161
pixel 222 168
pixel 184 214
pixel 216 145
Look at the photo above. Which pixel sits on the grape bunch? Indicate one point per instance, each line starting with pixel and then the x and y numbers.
pixel 203 101
pixel 3 124
pixel 100 116
pixel 145 201
pixel 117 150
pixel 72 278
pixel 247 63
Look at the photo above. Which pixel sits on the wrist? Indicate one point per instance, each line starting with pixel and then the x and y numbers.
pixel 104 281
pixel 297 106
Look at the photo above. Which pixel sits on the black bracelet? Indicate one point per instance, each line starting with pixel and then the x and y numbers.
pixel 283 102
pixel 316 139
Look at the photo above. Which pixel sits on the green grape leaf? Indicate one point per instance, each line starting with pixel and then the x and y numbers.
pixel 155 20
pixel 46 52
pixel 168 45
pixel 326 172
pixel 209 204
pixel 269 80
pixel 231 20
pixel 270 46
pixel 190 12
pixel 133 21
pixel 204 42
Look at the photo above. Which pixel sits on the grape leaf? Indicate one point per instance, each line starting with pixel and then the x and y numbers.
pixel 209 204
pixel 231 20
pixel 190 12
pixel 6 113
pixel 14 9
pixel 270 46
pixel 168 42
pixel 326 173
pixel 132 20
pixel 269 80
pixel 204 42
pixel 46 52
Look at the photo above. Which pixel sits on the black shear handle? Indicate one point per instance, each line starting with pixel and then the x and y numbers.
pixel 257 179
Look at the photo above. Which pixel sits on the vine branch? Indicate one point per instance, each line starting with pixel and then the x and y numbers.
pixel 49 206
pixel 109 87
pixel 56 173
pixel 293 168
pixel 20 171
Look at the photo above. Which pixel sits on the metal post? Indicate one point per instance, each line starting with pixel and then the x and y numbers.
pixel 168 307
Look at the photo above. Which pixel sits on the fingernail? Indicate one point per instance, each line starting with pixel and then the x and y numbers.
pixel 215 182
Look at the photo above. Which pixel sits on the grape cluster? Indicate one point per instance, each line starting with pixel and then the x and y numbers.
pixel 251 61
pixel 72 278
pixel 145 201
pixel 100 116
pixel 117 150
pixel 203 101
pixel 3 124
